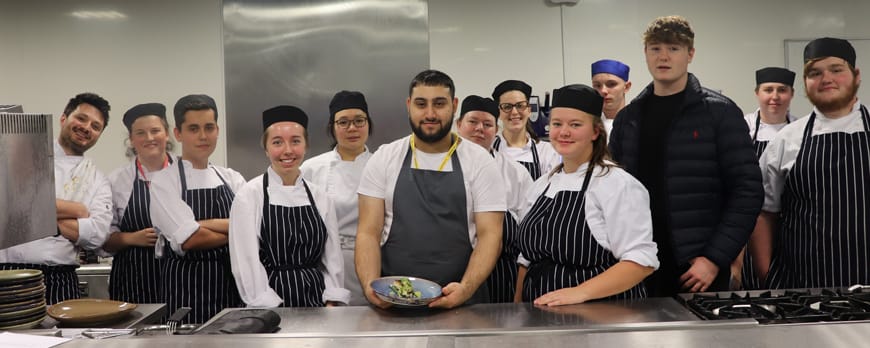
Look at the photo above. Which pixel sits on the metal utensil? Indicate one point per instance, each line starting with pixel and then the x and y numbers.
pixel 858 288
pixel 163 327
pixel 175 319
pixel 108 333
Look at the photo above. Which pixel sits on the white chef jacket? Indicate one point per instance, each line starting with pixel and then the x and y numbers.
pixel 484 186
pixel 340 179
pixel 617 211
pixel 93 230
pixel 171 216
pixel 517 182
pixel 765 131
pixel 547 156
pixel 246 217
pixel 782 151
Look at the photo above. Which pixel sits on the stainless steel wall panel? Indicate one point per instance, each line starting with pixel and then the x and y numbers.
pixel 302 52
pixel 27 206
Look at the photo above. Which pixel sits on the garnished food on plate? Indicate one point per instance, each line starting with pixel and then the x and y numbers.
pixel 402 288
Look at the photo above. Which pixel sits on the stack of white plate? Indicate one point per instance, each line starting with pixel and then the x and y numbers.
pixel 22 299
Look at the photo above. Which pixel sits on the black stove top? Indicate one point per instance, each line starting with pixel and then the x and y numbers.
pixel 781 306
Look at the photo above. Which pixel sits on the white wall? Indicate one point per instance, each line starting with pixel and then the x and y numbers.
pixel 164 49
pixel 481 43
pixel 476 41
pixel 160 51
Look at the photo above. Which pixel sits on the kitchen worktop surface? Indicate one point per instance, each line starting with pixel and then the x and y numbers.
pixel 652 322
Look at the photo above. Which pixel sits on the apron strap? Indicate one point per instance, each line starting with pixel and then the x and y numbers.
pixel 758 125
pixel 266 195
pixel 864 116
pixel 535 159
pixel 181 175
pixel 184 180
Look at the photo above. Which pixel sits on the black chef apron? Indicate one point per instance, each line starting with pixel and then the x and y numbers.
pixel 822 241
pixel 135 275
pixel 749 279
pixel 429 234
pixel 533 167
pixel 502 282
pixel 292 240
pixel 201 279
pixel 556 239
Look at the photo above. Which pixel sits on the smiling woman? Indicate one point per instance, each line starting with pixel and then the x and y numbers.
pixel 339 171
pixel 601 221
pixel 290 223
pixel 135 275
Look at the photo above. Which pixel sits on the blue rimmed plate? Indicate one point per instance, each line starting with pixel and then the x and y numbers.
pixel 429 291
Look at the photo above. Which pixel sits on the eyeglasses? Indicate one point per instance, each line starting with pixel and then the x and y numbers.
pixel 506 107
pixel 357 122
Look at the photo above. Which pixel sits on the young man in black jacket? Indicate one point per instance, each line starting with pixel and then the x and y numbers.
pixel 689 146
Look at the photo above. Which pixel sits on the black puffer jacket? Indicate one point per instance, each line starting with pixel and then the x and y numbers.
pixel 712 178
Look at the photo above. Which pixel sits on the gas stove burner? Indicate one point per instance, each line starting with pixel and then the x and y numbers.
pixel 781 306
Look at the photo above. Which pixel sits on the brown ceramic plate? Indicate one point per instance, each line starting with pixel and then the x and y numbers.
pixel 23 322
pixel 24 296
pixel 24 285
pixel 15 306
pixel 89 311
pixel 23 292
pixel 23 313
pixel 17 276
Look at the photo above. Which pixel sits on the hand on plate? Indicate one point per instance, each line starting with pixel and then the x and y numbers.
pixel 455 294
pixel 374 299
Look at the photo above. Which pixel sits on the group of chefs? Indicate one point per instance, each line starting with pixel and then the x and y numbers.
pixel 674 192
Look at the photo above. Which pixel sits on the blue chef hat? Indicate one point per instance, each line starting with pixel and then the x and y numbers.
pixel 611 66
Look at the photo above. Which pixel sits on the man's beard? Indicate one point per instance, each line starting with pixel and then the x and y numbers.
pixel 77 149
pixel 430 138
pixel 826 106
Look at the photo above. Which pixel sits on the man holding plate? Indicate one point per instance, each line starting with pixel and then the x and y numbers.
pixel 430 205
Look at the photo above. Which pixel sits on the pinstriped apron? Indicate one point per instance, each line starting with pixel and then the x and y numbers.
pixel 292 240
pixel 822 241
pixel 135 275
pixel 533 167
pixel 750 280
pixel 556 239
pixel 201 279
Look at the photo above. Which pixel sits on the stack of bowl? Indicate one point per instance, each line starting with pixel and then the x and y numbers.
pixel 22 299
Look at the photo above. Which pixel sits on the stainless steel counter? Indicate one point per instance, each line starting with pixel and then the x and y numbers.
pixel 655 322
pixel 144 314
pixel 841 334
pixel 484 319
